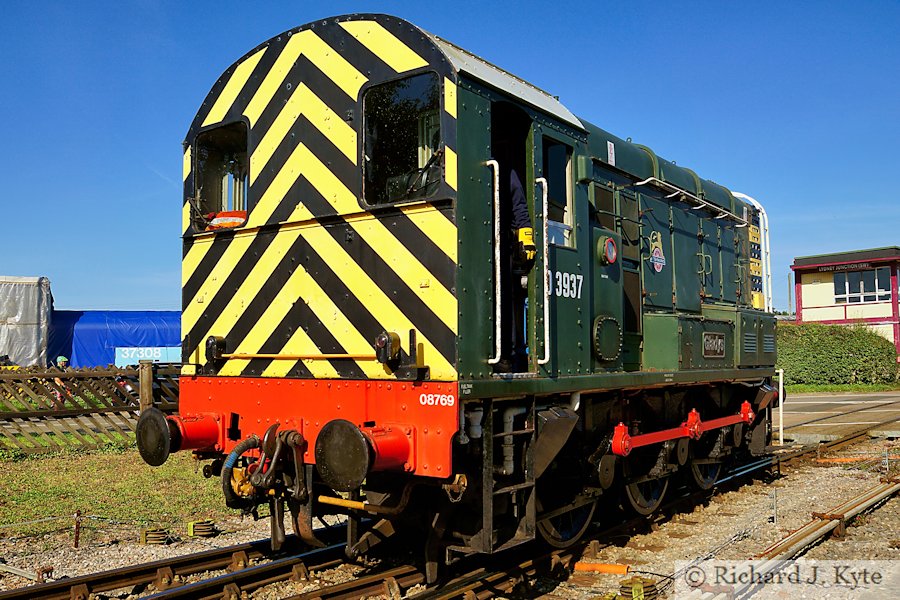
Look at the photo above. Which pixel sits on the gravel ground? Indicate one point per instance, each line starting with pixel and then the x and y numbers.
pixel 739 524
pixel 113 546
pixel 734 525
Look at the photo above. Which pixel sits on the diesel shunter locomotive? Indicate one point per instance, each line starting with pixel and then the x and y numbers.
pixel 418 289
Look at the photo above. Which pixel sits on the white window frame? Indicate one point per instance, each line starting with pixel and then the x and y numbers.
pixel 882 291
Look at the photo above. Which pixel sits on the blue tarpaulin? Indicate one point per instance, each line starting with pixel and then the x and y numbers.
pixel 94 338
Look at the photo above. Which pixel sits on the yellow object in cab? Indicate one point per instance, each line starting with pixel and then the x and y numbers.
pixel 526 238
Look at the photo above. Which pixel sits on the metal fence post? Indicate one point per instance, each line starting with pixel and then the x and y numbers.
pixel 780 406
pixel 145 384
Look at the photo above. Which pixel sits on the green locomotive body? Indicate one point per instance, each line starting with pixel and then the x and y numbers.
pixel 357 273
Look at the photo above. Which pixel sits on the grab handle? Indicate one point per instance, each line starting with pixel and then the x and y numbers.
pixel 495 168
pixel 546 258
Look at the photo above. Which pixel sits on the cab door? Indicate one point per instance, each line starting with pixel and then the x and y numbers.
pixel 562 286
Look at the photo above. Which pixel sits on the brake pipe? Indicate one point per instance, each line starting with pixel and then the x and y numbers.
pixel 232 499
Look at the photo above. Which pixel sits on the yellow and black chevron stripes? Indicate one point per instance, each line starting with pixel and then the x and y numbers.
pixel 450 97
pixel 343 305
pixel 301 93
pixel 385 45
pixel 304 163
pixel 186 169
pixel 304 102
pixel 330 62
pixel 230 91
pixel 313 271
pixel 450 163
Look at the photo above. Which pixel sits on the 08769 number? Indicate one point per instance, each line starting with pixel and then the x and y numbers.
pixel 437 399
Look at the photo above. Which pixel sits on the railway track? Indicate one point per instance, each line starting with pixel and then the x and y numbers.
pixel 774 558
pixel 507 571
pixel 867 408
pixel 162 574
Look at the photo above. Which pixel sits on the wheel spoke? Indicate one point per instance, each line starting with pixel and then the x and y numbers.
pixel 704 475
pixel 646 496
pixel 565 528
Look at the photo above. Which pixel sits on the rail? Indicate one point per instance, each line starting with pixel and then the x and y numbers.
pixel 164 574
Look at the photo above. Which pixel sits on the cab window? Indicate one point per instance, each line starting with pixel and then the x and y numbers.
pixel 403 151
pixel 558 172
pixel 221 183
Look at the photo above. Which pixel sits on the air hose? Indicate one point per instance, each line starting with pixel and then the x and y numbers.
pixel 232 499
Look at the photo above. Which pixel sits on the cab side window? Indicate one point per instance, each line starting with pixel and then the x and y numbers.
pixel 221 183
pixel 403 151
pixel 558 172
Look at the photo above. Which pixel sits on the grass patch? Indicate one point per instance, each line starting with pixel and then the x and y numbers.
pixel 114 485
pixel 858 388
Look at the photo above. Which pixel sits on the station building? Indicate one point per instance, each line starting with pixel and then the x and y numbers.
pixel 850 287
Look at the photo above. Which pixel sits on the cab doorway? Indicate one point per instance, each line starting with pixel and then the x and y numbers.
pixel 510 135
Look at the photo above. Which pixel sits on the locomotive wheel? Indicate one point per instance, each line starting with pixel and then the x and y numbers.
pixel 559 493
pixel 646 496
pixel 705 474
pixel 644 489
pixel 566 528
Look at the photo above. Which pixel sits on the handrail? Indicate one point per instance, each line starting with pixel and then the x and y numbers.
pixel 495 167
pixel 546 257
pixel 700 202
pixel 765 249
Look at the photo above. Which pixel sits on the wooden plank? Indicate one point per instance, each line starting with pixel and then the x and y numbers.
pixel 68 374
pixel 22 395
pixel 109 390
pixel 88 432
pixel 16 441
pixel 97 396
pixel 53 431
pixel 56 392
pixel 113 429
pixel 87 429
pixel 38 400
pixel 8 396
pixel 145 385
pixel 64 412
pixel 168 387
pixel 69 428
pixel 20 426
pixel 92 399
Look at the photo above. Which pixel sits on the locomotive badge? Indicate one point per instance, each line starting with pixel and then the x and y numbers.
pixel 657 256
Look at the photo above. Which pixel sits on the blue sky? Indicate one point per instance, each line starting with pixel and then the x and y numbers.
pixel 796 104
